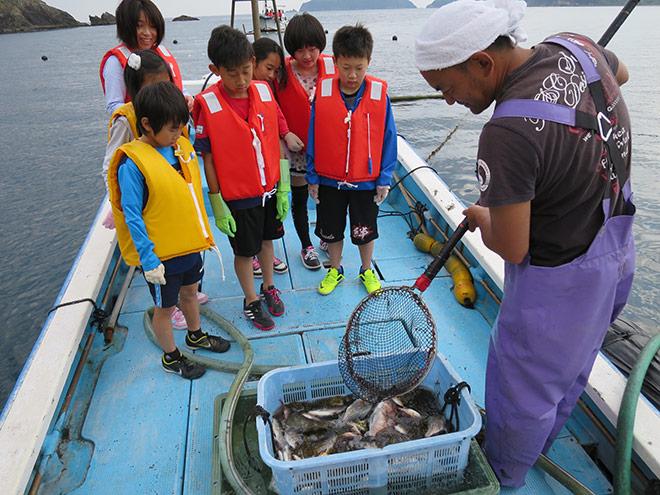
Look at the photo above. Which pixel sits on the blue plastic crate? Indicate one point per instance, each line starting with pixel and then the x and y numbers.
pixel 413 467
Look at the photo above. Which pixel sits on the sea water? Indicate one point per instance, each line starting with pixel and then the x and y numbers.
pixel 53 130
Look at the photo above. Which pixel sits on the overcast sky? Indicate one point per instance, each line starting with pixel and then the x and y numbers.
pixel 81 9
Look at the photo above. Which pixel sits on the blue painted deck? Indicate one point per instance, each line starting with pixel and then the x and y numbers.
pixel 152 432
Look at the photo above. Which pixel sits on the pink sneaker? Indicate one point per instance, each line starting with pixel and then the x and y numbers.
pixel 178 320
pixel 323 246
pixel 202 298
pixel 256 268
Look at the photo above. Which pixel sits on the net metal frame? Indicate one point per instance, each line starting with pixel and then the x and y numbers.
pixel 389 344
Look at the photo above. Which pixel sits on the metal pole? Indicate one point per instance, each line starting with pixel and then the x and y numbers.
pixel 233 11
pixel 277 23
pixel 256 25
pixel 616 23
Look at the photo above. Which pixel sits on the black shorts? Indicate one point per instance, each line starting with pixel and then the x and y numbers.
pixel 166 296
pixel 331 215
pixel 253 226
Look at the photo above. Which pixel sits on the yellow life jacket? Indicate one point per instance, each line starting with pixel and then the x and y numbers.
pixel 174 215
pixel 127 110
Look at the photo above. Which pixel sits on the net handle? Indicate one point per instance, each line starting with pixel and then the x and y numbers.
pixel 423 282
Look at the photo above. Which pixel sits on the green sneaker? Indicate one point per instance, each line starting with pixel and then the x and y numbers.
pixel 330 281
pixel 369 280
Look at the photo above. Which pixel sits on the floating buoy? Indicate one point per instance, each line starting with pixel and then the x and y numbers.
pixel 463 288
pixel 174 42
pixel 44 58
pixel 395 38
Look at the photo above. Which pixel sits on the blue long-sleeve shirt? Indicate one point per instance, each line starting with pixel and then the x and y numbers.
pixel 388 156
pixel 134 195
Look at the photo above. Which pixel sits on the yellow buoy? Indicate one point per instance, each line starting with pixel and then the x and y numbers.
pixel 463 289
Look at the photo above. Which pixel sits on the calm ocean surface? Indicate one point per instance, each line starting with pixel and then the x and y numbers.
pixel 53 131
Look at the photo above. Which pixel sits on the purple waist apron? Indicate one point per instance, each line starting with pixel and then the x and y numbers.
pixel 552 321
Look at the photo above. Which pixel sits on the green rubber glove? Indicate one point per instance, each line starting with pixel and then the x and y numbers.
pixel 223 218
pixel 283 190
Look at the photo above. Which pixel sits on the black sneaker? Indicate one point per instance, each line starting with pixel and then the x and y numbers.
pixel 271 296
pixel 256 314
pixel 184 367
pixel 211 343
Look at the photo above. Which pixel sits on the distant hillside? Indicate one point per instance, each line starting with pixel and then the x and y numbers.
pixel 32 15
pixel 320 5
pixel 559 3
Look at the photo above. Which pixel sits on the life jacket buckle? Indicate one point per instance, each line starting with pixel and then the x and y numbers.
pixel 600 118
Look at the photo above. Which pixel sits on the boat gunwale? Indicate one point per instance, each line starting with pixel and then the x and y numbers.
pixel 28 414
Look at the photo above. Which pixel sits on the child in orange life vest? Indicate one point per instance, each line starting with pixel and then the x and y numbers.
pixel 304 39
pixel 351 153
pixel 269 66
pixel 238 136
pixel 143 67
pixel 140 26
pixel 156 195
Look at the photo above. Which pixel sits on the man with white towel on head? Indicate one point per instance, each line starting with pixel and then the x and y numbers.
pixel 553 166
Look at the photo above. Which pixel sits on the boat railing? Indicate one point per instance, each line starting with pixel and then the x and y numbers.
pixel 29 410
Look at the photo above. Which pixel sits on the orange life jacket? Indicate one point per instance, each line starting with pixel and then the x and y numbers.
pixel 122 52
pixel 348 145
pixel 246 154
pixel 294 101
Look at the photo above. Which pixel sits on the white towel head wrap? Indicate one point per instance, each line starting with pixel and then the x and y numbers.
pixel 461 28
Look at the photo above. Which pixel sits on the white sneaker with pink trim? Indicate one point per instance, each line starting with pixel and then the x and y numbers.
pixel 178 320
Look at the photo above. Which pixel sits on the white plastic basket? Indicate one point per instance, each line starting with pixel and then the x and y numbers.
pixel 413 467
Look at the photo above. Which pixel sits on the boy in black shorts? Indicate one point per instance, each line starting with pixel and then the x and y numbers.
pixel 155 191
pixel 238 136
pixel 351 154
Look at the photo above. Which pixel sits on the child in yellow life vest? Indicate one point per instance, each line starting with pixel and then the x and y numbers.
pixel 156 196
pixel 239 137
pixel 351 154
pixel 142 68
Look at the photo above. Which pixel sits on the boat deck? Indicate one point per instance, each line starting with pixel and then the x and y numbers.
pixel 145 431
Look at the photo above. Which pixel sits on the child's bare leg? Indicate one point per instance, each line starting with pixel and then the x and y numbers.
pixel 243 268
pixel 163 328
pixel 190 305
pixel 366 254
pixel 334 252
pixel 266 261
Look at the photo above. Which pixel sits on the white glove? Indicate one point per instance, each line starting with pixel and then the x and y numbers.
pixel 381 194
pixel 293 142
pixel 156 276
pixel 109 221
pixel 313 190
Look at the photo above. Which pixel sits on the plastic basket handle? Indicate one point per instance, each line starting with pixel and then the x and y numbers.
pixel 423 282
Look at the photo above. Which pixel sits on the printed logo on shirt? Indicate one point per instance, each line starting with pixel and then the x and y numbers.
pixel 483 175
pixel 199 129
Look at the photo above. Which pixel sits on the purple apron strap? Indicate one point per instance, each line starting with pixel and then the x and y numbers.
pixel 585 60
pixel 535 109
